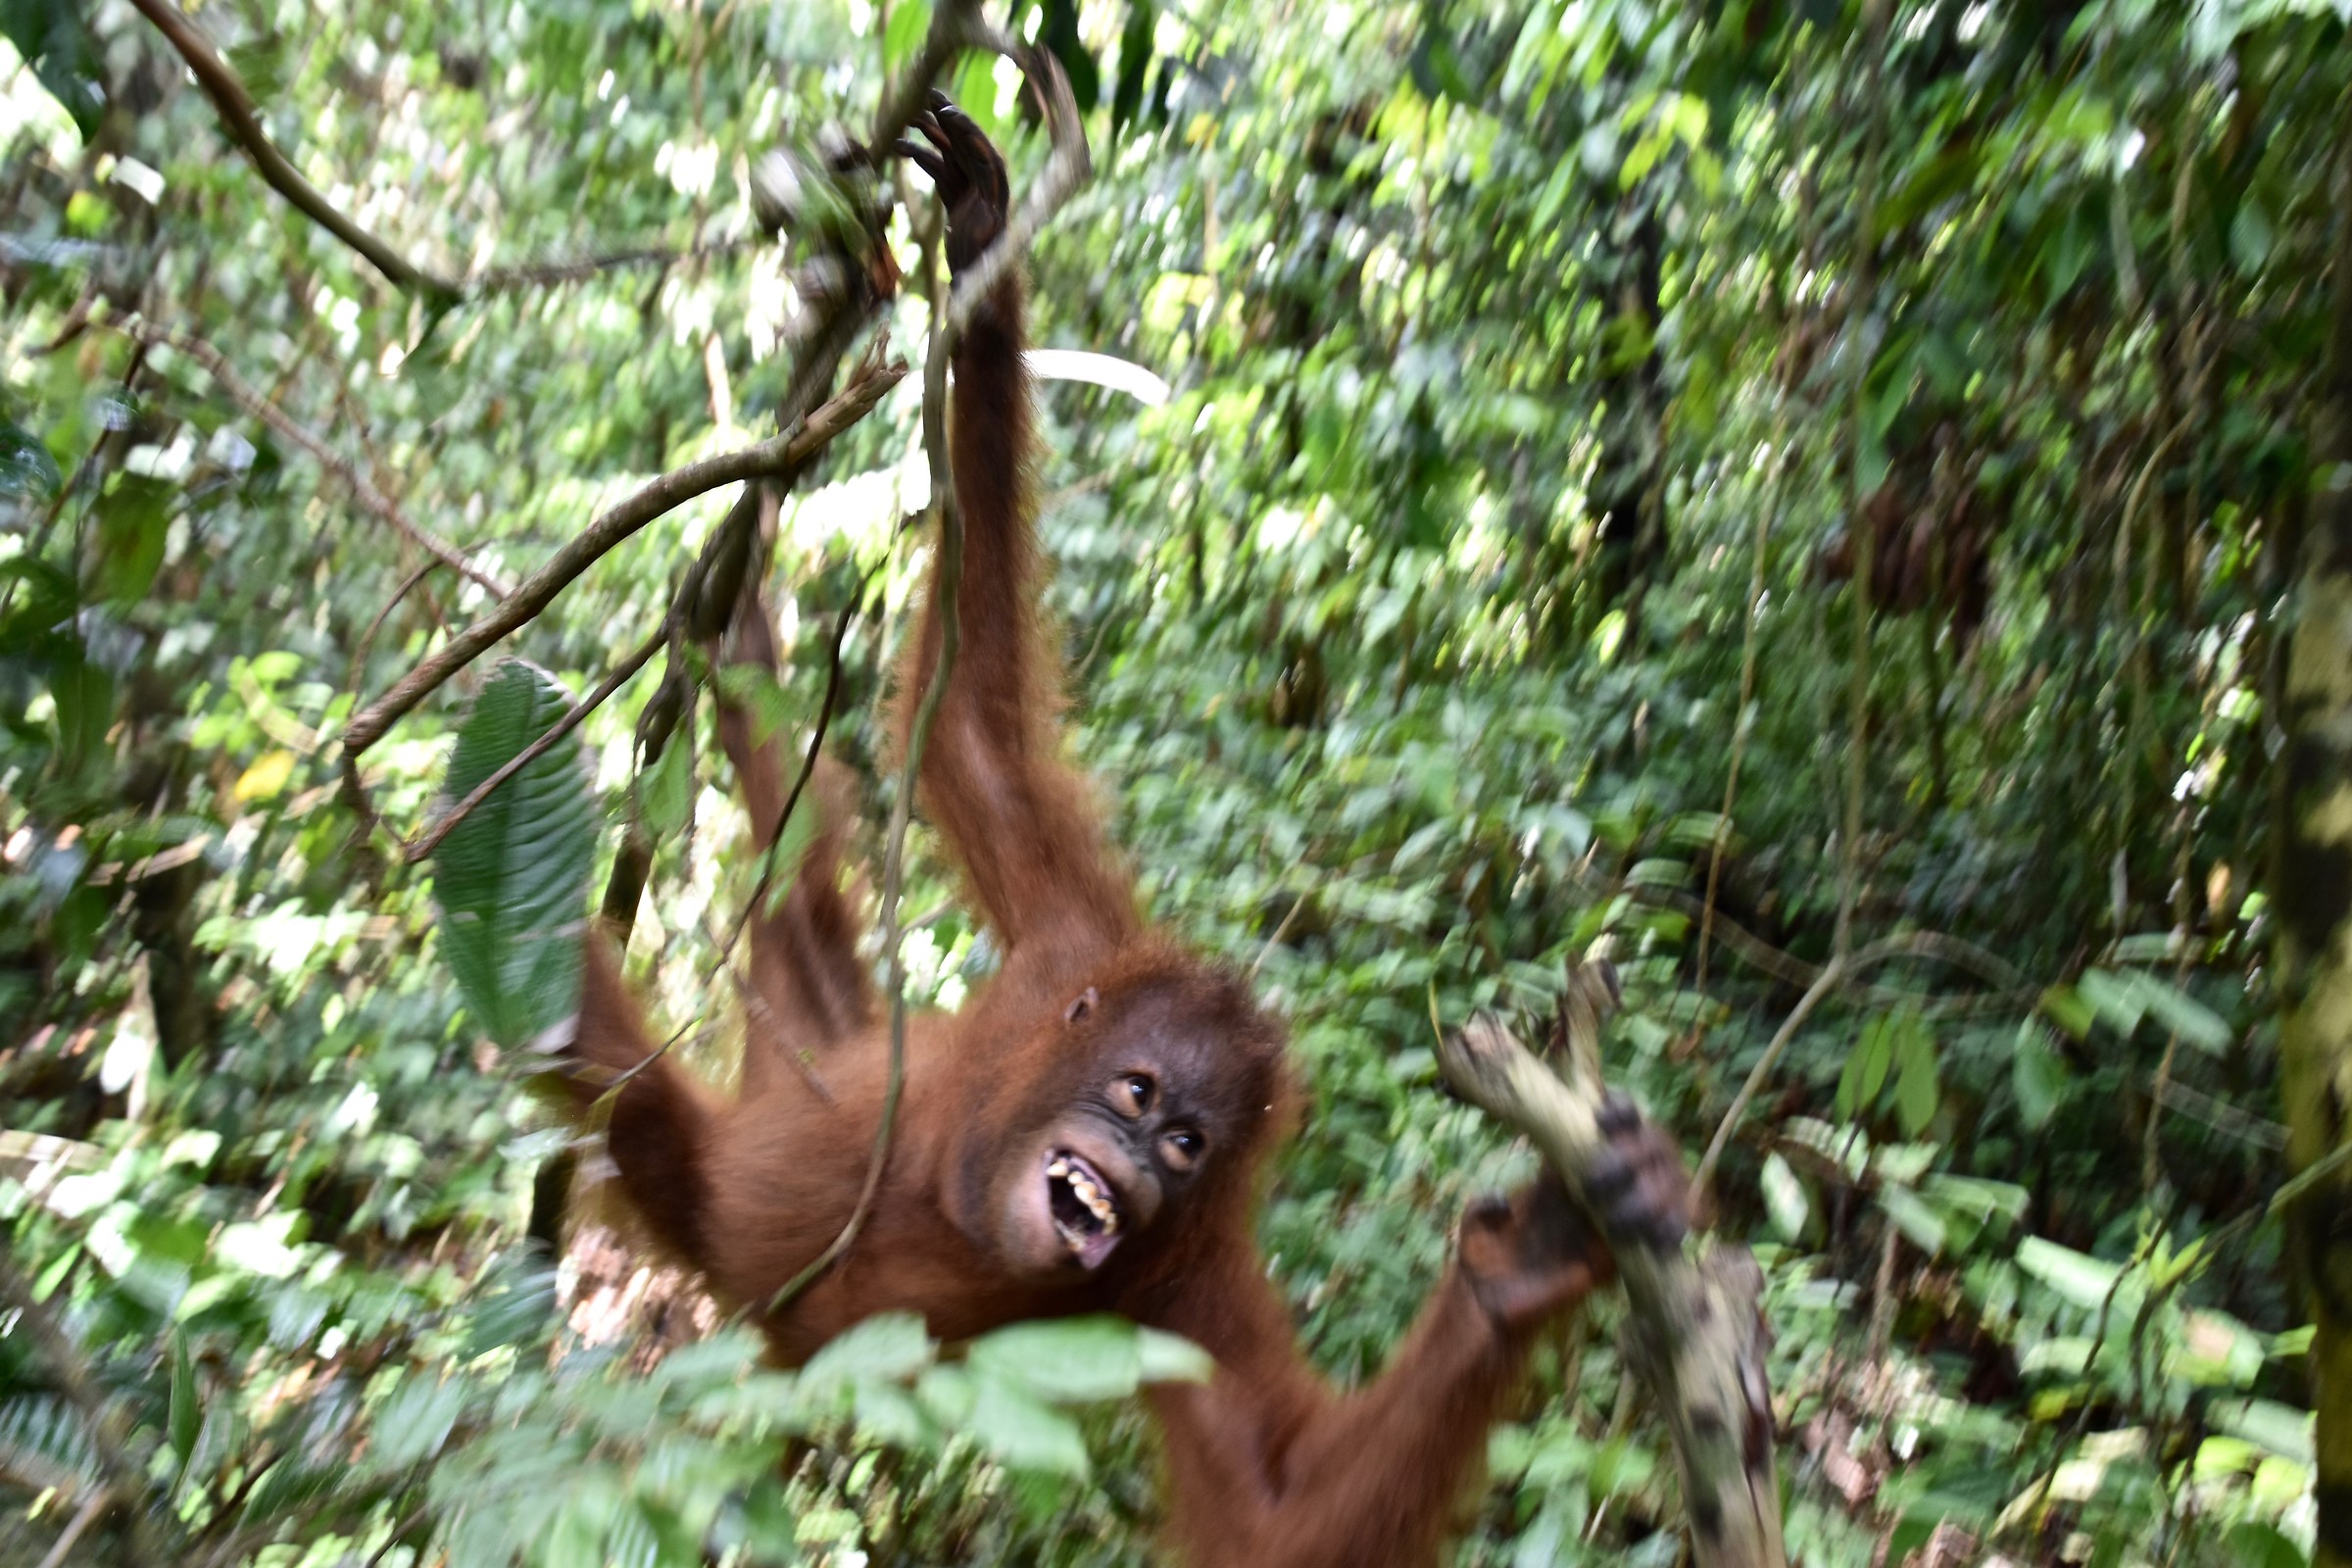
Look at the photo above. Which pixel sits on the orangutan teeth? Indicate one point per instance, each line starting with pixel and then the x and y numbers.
pixel 1088 1211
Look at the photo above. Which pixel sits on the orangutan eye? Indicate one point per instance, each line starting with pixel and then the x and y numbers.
pixel 1132 1095
pixel 1180 1149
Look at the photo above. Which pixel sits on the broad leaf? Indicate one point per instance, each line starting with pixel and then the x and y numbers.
pixel 55 41
pixel 2037 1075
pixel 1916 1092
pixel 1023 1431
pixel 889 1347
pixel 187 1408
pixel 415 1419
pixel 1784 1200
pixel 511 879
pixel 2082 1280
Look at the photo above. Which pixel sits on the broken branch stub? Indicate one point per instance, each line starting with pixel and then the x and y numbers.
pixel 1697 1336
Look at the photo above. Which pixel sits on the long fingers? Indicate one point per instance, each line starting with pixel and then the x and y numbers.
pixel 959 135
pixel 922 158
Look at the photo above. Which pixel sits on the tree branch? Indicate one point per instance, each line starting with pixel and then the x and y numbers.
pixel 241 118
pixel 243 122
pixel 430 839
pixel 370 498
pixel 1695 1336
pixel 779 456
pixel 578 270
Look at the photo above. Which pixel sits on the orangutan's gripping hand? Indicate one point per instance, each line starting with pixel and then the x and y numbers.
pixel 1534 1254
pixel 968 175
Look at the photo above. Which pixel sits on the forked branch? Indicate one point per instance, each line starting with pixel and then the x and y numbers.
pixel 779 456
pixel 1697 1336
pixel 241 118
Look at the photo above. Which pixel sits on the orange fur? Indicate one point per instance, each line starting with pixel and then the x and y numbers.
pixel 1268 1467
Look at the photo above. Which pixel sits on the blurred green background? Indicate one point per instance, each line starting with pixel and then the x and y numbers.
pixel 1550 381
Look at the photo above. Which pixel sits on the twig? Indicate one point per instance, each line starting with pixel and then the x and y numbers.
pixel 1881 1294
pixel 1280 931
pixel 1094 646
pixel 243 122
pixel 352 791
pixel 2039 1485
pixel 2293 1187
pixel 756 1009
pixel 1740 721
pixel 1912 944
pixel 90 1510
pixel 540 275
pixel 2221 1117
pixel 358 658
pixel 1831 974
pixel 779 456
pixel 430 839
pixel 370 498
pixel 2013 991
pixel 414 1518
pixel 1863 534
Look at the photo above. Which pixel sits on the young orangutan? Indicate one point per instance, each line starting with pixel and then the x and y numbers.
pixel 1087 1134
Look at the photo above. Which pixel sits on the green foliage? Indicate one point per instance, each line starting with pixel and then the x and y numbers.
pixel 512 879
pixel 50 36
pixel 1483 593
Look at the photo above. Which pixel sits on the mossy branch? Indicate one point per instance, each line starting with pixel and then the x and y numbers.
pixel 1697 1337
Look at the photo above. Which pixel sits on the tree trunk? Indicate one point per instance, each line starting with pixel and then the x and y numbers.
pixel 2314 881
pixel 1627 505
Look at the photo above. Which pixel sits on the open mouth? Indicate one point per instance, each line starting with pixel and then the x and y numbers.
pixel 1085 1207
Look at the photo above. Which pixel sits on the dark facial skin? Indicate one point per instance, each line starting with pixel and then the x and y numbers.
pixel 1111 1167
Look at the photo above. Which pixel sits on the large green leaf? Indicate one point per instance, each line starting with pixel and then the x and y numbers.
pixel 56 42
pixel 134 518
pixel 512 879
pixel 2038 1076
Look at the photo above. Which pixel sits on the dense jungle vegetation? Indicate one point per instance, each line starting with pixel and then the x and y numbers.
pixel 1841 507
